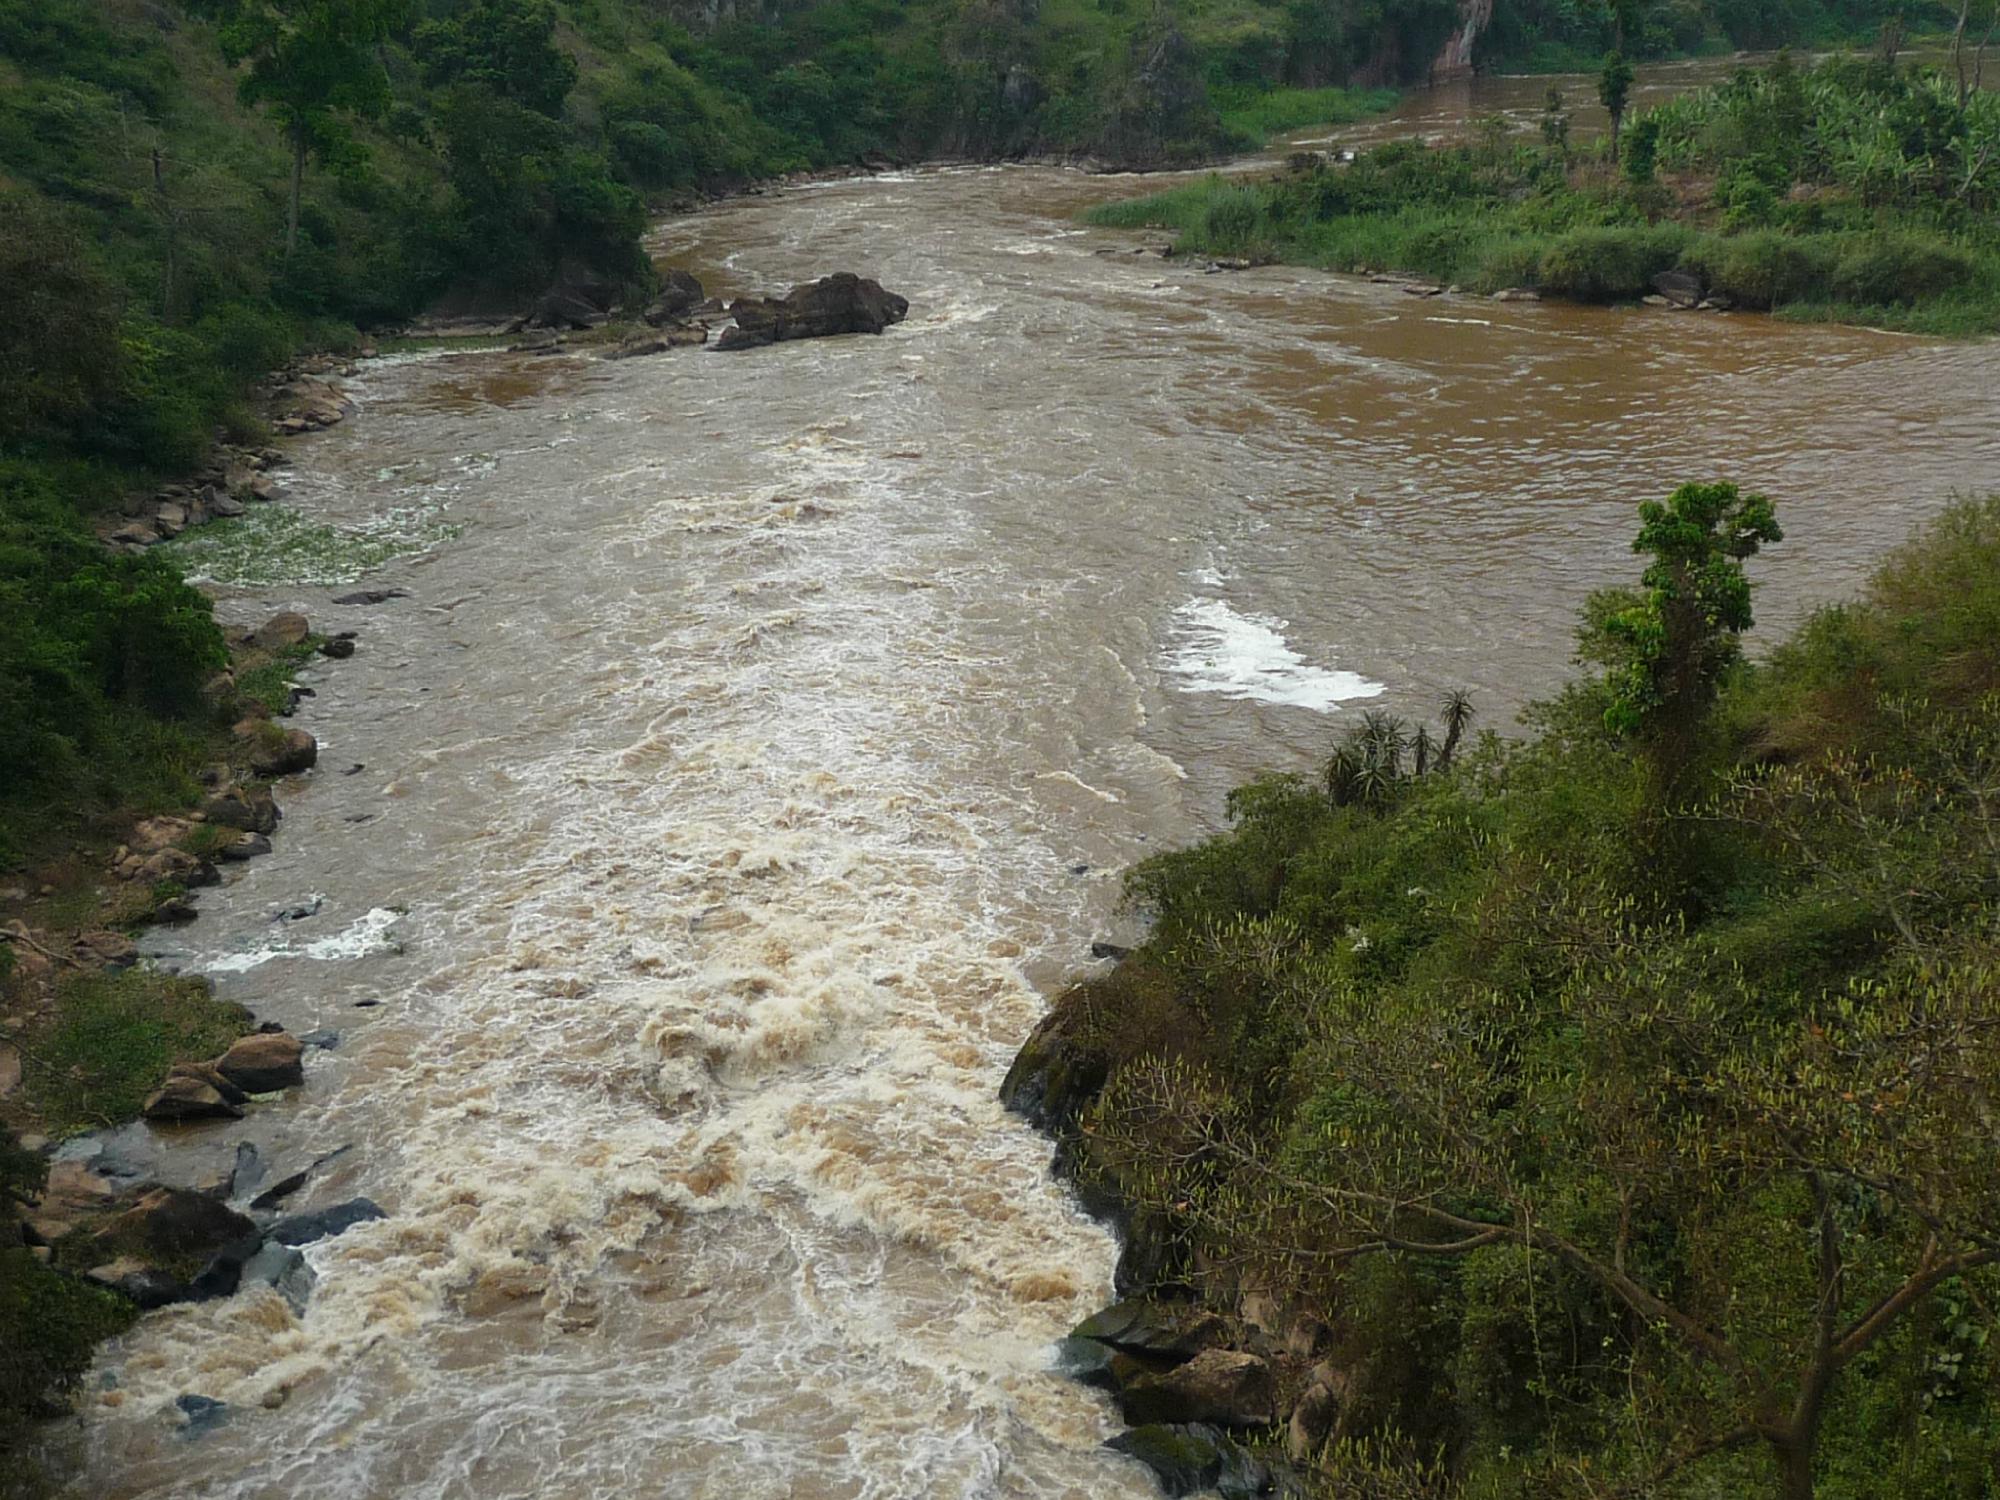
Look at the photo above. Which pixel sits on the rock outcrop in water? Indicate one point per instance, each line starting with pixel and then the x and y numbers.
pixel 837 304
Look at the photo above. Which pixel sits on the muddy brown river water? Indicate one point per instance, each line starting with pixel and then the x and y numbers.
pixel 763 736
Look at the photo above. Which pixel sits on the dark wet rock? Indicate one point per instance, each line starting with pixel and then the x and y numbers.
pixel 1679 288
pixel 1055 1075
pixel 172 1233
pixel 147 1287
pixel 304 1229
pixel 1221 1386
pixel 325 1039
pixel 299 912
pixel 1190 1459
pixel 264 1063
pixel 1086 1361
pixel 339 648
pixel 278 1192
pixel 1116 951
pixel 284 1268
pixel 1141 1327
pixel 245 846
pixel 224 1271
pixel 366 1004
pixel 203 1413
pixel 176 911
pixel 225 507
pixel 248 1173
pixel 837 304
pixel 372 596
pixel 679 295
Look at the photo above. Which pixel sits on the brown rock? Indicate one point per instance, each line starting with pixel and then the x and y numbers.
pixel 167 864
pixel 183 1097
pixel 296 751
pixel 252 811
pixel 1218 1385
pixel 1312 1422
pixel 105 950
pixel 10 1070
pixel 264 1063
pixel 138 534
pixel 281 631
pixel 158 833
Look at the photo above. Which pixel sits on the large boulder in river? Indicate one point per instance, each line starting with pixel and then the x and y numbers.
pixel 680 294
pixel 188 1096
pixel 264 1063
pixel 170 1238
pixel 841 303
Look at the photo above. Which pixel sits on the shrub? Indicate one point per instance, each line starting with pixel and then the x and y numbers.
pixel 1604 265
pixel 1886 269
pixel 1761 270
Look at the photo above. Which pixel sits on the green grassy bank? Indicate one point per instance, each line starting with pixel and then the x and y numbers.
pixel 1852 191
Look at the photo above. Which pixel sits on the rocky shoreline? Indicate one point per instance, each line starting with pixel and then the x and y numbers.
pixel 98 1216
pixel 1222 1389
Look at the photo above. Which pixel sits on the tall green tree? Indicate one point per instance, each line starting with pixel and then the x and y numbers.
pixel 1614 90
pixel 1668 643
pixel 310 62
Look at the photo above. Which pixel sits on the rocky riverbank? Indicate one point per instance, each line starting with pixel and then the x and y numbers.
pixel 1224 1388
pixel 92 1039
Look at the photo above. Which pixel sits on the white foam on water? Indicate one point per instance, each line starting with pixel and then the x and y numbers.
pixel 367 934
pixel 1215 649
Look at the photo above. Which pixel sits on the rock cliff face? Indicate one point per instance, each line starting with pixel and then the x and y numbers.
pixel 1455 60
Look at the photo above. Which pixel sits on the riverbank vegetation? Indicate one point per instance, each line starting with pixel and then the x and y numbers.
pixel 1606 1112
pixel 1855 190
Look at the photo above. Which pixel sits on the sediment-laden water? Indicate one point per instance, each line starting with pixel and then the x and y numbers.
pixel 764 734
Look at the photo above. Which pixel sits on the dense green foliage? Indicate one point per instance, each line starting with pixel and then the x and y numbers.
pixel 1611 1174
pixel 1854 190
pixel 49 1323
pixel 1573 35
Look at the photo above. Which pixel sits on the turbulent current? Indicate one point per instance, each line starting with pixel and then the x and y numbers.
pixel 763 736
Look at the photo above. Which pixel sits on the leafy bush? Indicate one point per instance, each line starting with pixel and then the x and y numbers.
pixel 1604 265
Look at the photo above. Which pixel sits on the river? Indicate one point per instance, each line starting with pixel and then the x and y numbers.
pixel 763 737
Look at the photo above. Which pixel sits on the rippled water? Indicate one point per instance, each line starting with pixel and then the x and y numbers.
pixel 763 737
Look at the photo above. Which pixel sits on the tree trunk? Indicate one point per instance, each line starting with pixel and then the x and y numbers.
pixel 1795 1469
pixel 298 183
pixel 1617 120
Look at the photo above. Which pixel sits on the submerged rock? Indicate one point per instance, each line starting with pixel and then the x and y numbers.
pixel 283 1268
pixel 204 1414
pixel 325 1223
pixel 837 304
